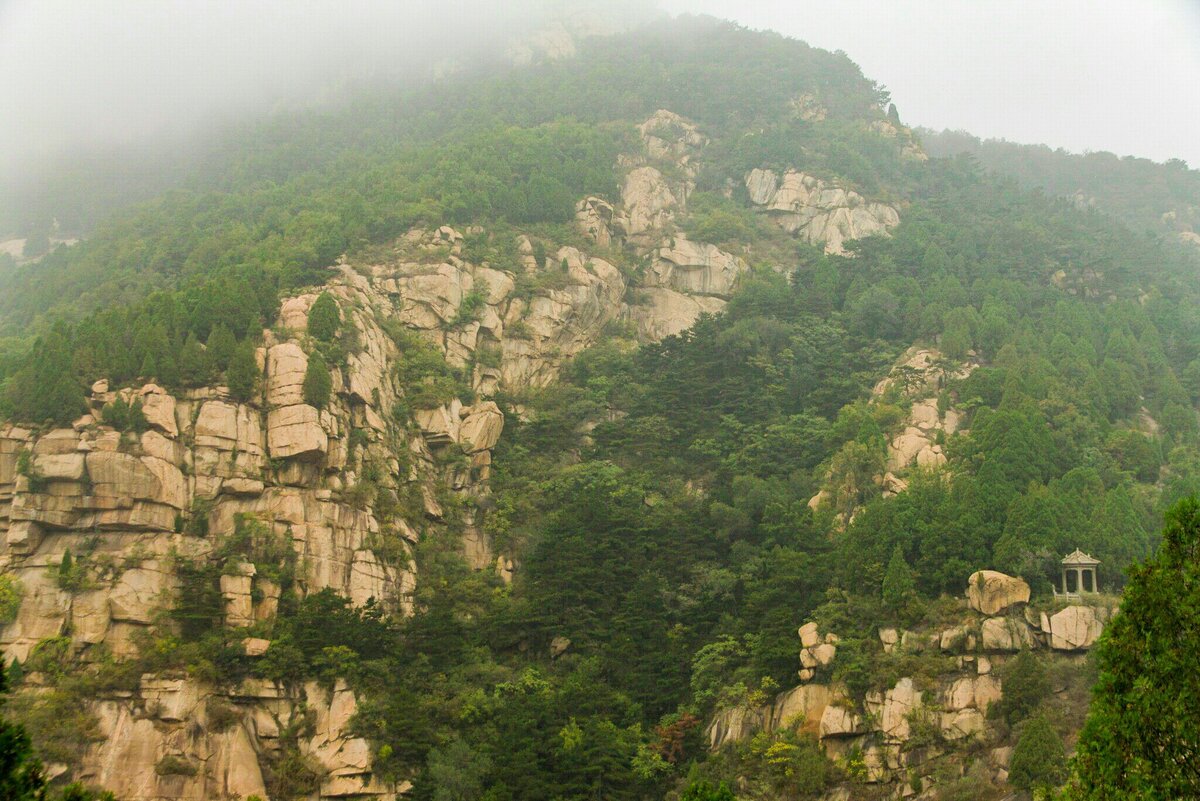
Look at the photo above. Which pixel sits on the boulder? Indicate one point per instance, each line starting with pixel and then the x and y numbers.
pixel 838 721
pixel 648 203
pixel 816 210
pixel 1075 628
pixel 695 268
pixel 481 427
pixel 664 312
pixel 809 636
pixel 1005 634
pixel 159 409
pixel 295 431
pixel 991 592
pixel 801 708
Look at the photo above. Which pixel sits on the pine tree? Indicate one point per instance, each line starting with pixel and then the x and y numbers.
pixel 195 369
pixel 243 373
pixel 1038 760
pixel 318 383
pixel 221 345
pixel 324 319
pixel 1140 740
pixel 899 584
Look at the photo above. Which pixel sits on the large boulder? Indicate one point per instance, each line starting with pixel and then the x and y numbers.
pixel 695 268
pixel 991 592
pixel 1006 634
pixel 295 431
pixel 1075 628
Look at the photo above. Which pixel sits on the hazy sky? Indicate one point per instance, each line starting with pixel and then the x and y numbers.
pixel 1121 76
pixel 1110 75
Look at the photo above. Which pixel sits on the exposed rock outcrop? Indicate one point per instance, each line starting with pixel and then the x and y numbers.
pixel 818 211
pixel 992 592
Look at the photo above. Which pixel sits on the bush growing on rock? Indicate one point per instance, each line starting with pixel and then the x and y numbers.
pixel 324 318
pixel 125 415
pixel 318 383
pixel 1026 685
pixel 243 374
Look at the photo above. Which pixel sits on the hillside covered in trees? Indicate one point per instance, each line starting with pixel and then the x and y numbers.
pixel 517 423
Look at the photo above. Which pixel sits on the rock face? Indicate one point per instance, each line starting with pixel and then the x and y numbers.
pixel 1075 628
pixel 892 726
pixel 695 268
pixel 992 592
pixel 131 508
pixel 818 211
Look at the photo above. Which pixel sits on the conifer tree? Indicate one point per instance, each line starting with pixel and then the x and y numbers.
pixel 899 584
pixel 1038 760
pixel 221 345
pixel 1141 740
pixel 243 373
pixel 195 369
pixel 318 383
pixel 324 319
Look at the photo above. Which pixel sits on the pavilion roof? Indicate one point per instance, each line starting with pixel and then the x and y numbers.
pixel 1078 557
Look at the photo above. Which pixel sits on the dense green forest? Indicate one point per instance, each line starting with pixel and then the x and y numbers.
pixel 673 545
pixel 1145 194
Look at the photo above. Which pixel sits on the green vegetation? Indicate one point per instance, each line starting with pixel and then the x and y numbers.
pixel 1161 197
pixel 1140 739
pixel 324 319
pixel 318 383
pixel 1038 760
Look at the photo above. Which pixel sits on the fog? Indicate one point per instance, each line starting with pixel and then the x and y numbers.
pixel 83 74
pixel 1100 74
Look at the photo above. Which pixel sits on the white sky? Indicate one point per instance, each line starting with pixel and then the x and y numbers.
pixel 1122 76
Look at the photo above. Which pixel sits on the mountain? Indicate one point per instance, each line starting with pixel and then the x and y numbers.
pixel 1144 194
pixel 658 421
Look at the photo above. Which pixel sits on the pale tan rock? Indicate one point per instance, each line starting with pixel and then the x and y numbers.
pixel 481 427
pixel 991 592
pixel 972 692
pixel 293 312
pixel 801 708
pixel 139 594
pixel 735 725
pixel 559 646
pixel 89 617
pixel 695 268
pixel 173 700
pixel 59 466
pixel 837 721
pixel 818 211
pixel 239 608
pixel 962 724
pixel 594 217
pixel 648 203
pixel 1005 634
pixel 57 442
pixel 809 637
pixel 904 449
pixel 898 703
pixel 286 366
pixel 824 653
pixel 159 408
pixel 295 431
pixel 664 312
pixel 1075 628
pixel 255 646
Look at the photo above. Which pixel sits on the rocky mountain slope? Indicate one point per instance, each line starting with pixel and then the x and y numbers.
pixel 621 458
